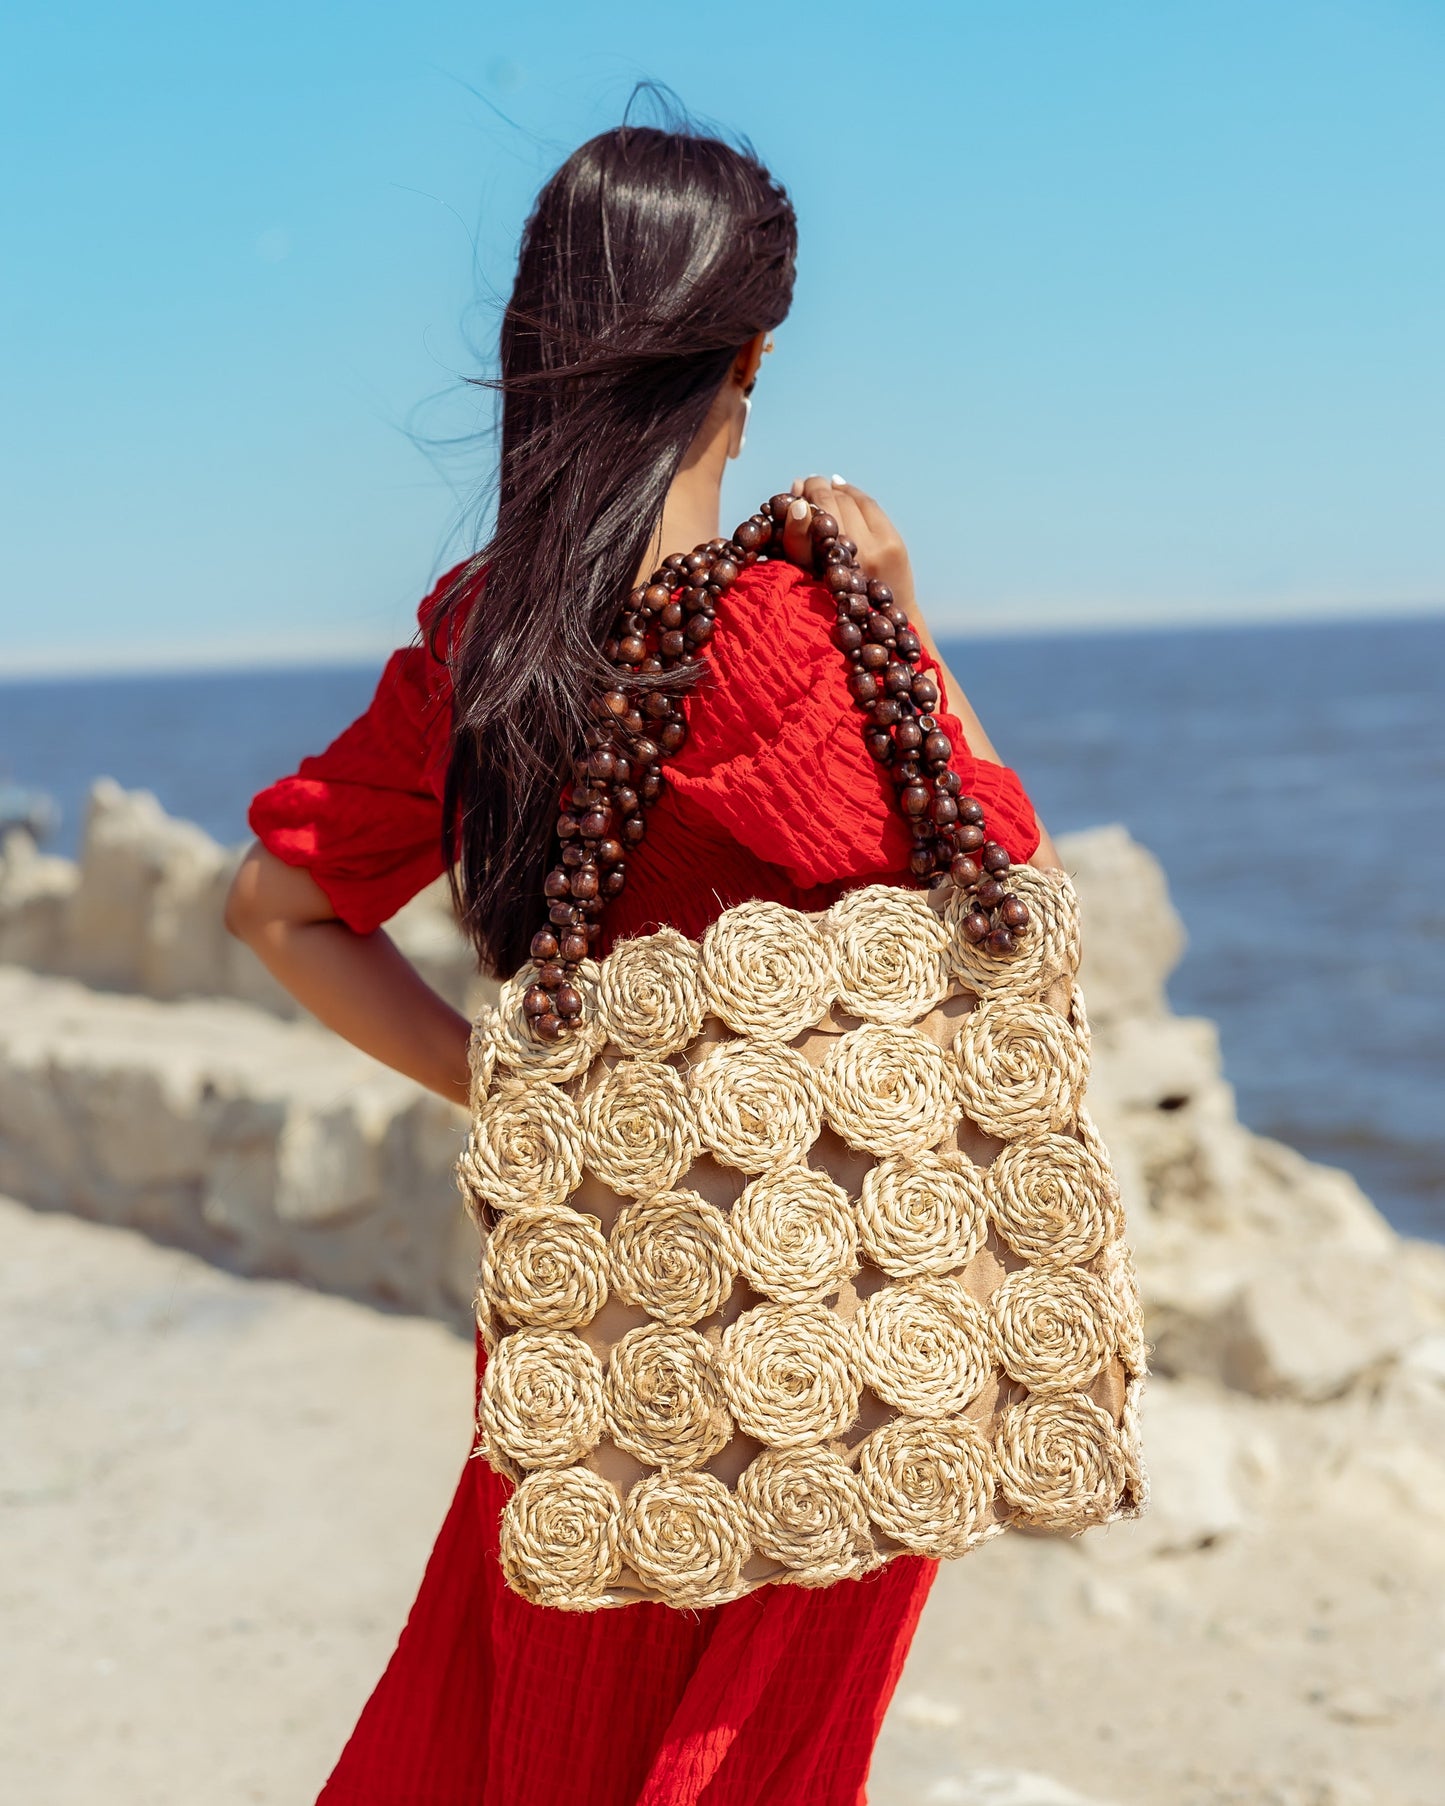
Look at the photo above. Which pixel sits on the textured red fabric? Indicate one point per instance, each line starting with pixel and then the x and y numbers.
pixel 777 1698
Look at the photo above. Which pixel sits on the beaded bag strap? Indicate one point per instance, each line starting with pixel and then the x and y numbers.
pixel 637 723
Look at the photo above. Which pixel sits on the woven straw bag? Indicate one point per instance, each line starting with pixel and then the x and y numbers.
pixel 799 1253
pixel 799 1249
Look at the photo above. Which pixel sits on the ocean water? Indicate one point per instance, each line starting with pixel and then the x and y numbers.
pixel 1290 779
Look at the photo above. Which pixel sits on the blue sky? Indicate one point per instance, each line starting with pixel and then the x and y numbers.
pixel 1130 310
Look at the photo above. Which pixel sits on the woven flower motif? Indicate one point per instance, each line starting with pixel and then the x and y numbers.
pixel 924 1346
pixel 650 996
pixel 541 1400
pixel 1048 951
pixel 890 953
pixel 1053 1327
pixel 525 1147
pixel 789 1374
pixel 686 1536
pixel 890 1090
pixel 922 1213
pixel 545 1268
pixel 661 1399
pixel 639 1131
pixel 1021 1068
pixel 561 1539
pixel 1053 1198
pixel 674 1255
pixel 766 970
pixel 795 1235
pixel 1061 1461
pixel 757 1102
pixel 513 1045
pixel 929 1484
pixel 805 1509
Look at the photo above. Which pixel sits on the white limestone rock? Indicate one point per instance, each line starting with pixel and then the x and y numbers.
pixel 1132 935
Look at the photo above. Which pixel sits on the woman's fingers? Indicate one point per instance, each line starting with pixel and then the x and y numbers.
pixel 797 532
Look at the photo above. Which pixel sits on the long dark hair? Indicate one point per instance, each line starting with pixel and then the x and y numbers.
pixel 650 260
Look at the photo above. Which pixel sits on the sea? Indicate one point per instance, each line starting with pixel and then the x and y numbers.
pixel 1290 778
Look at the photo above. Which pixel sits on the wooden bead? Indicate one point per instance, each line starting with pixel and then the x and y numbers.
pixel 699 630
pixel 536 1000
pixel 671 738
pixel 609 851
pixel 944 811
pixel 879 594
pixel 624 800
pixel 656 597
pixel 556 884
pixel 908 643
pixel 548 1028
pixel 965 872
pixel 632 650
pixel 824 526
pixel 584 882
pixel 633 829
pixel 976 926
pixel 672 615
pixel 551 974
pixel 724 572
pixel 650 788
pixel 574 946
pixel 562 915
pixel 1014 912
pixel 569 1002
pixel 847 635
pixel 673 645
pixel 596 822
pixel 751 535
pixel 920 862
pixel 971 811
pixel 994 858
pixel 886 711
pixel 897 680
pixel 873 657
pixel 908 736
pixel 1000 941
pixel 864 686
pixel 614 881
pixel 990 893
pixel 925 691
pixel 880 745
pixel 567 826
pixel 968 837
pixel 544 945
pixel 915 799
pixel 937 747
pixel 602 763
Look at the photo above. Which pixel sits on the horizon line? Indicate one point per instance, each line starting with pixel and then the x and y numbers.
pixel 309 654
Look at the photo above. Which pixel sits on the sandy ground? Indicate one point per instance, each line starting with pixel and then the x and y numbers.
pixel 218 1495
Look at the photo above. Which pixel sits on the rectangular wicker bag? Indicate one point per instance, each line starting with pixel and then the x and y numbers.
pixel 799 1253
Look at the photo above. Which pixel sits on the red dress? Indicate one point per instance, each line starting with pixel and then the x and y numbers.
pixel 778 1697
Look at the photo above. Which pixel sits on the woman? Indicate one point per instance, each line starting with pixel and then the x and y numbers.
pixel 651 273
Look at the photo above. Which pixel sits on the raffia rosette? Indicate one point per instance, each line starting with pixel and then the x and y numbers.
pixel 789 1374
pixel 889 1090
pixel 546 1269
pixel 514 1045
pixel 1061 1461
pixel 1053 1199
pixel 686 1536
pixel 649 996
pixel 673 1255
pixel 929 1485
pixel 922 1213
pixel 805 1509
pixel 924 1347
pixel 1049 951
pixel 525 1147
pixel 890 954
pixel 794 1232
pixel 639 1131
pixel 661 1399
pixel 560 1539
pixel 756 1102
pixel 1021 1068
pixel 1053 1330
pixel 1116 1273
pixel 766 970
pixel 481 1055
pixel 541 1398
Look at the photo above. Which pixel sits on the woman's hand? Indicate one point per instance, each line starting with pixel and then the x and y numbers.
pixel 884 556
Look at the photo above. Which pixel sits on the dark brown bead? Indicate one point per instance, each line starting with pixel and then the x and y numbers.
pixel 609 852
pixel 880 745
pixel 633 721
pixel 898 680
pixel 840 580
pixel 971 811
pixel 944 811
pixel 1014 911
pixel 594 929
pixel 650 787
pixel 672 616
pixel 925 690
pixel 671 738
pixel 562 915
pixel 544 944
pixel 584 882
pixel 908 643
pixel 614 881
pixel 548 1028
pixel 990 893
pixel 567 828
pixel 880 628
pixel 696 561
pixel 994 858
pixel 624 800
pixel 621 773
pixel 847 635
pixel 656 597
pixel 615 703
pixel 574 946
pixel 699 630
pixel 657 705
pixel 673 645
pixel 724 572
pixel 873 657
pixel 1000 941
pixel 824 526
pixel 675 561
pixel 778 506
pixel 569 1002
pixel 909 736
pixel 879 594
pixel 976 926
pixel 969 837
pixel 897 614
pixel 858 609
pixel 536 1000
pixel 938 748
pixel 602 764
pixel 965 872
pixel 864 686
pixel 632 650
pixel 550 974
pixel 885 711
pixel 949 781
pixel 645 752
pixel 914 799
pixel 751 535
pixel 596 822
pixel 574 853
pixel 556 884
pixel 921 862
pixel 633 829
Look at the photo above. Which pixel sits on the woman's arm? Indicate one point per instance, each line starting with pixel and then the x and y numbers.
pixel 359 985
pixel 885 557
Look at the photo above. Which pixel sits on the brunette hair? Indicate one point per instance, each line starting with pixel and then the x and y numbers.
pixel 650 259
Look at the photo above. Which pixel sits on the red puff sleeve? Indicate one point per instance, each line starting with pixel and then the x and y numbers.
pixel 365 816
pixel 776 757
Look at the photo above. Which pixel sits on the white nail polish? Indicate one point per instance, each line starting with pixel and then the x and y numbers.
pixel 839 482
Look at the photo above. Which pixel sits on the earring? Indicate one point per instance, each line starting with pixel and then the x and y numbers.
pixel 742 438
